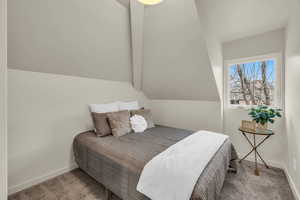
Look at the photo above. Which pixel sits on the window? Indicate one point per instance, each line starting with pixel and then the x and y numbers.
pixel 254 81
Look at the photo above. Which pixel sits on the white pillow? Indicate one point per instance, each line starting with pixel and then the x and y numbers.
pixel 138 123
pixel 132 105
pixel 104 108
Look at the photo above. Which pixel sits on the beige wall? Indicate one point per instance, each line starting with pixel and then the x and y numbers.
pixel 274 150
pixel 89 38
pixel 176 62
pixel 45 112
pixel 292 93
pixel 3 105
pixel 191 115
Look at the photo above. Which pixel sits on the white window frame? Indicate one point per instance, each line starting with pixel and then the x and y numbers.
pixel 279 74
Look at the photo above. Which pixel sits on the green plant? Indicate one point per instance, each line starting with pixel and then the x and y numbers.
pixel 264 114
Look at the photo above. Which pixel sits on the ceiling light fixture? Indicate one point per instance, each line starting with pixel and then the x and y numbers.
pixel 150 2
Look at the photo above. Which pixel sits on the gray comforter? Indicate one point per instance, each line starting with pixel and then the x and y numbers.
pixel 118 162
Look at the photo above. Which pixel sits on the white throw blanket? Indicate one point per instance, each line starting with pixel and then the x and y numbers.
pixel 173 174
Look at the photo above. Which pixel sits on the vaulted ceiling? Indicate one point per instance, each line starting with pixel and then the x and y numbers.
pixel 176 61
pixel 235 19
pixel 170 51
pixel 89 38
pixel 125 3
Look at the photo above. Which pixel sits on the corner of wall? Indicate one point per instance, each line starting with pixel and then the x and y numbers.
pixel 3 101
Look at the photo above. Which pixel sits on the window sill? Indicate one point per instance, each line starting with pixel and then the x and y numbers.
pixel 248 107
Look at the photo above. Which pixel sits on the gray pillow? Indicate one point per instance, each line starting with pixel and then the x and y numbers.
pixel 119 122
pixel 101 124
pixel 146 113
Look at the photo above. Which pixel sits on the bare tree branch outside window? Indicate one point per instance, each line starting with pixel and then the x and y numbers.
pixel 252 83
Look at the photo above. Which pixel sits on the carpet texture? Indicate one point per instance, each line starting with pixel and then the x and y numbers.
pixel 76 185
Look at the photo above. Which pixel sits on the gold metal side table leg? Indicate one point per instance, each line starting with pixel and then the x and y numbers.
pixel 256 153
pixel 256 171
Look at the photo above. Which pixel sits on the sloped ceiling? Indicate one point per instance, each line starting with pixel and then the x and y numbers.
pixel 176 62
pixel 89 38
pixel 236 19
pixel 92 38
pixel 125 3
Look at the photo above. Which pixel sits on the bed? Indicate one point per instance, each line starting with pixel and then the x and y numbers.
pixel 117 163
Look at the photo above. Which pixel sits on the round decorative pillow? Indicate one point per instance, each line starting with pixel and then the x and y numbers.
pixel 138 123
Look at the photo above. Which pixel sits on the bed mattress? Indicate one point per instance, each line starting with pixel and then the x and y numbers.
pixel 118 162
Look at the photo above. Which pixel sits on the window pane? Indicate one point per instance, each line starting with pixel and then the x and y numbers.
pixel 252 83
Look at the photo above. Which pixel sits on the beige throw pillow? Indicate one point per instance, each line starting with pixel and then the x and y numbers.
pixel 101 124
pixel 119 123
pixel 146 113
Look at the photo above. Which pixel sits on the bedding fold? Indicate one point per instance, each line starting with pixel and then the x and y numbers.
pixel 173 174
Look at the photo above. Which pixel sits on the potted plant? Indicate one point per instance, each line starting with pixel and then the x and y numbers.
pixel 261 115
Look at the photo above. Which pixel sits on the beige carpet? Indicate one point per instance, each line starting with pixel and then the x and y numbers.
pixel 76 185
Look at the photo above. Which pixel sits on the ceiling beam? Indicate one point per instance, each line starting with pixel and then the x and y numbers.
pixel 137 42
pixel 124 2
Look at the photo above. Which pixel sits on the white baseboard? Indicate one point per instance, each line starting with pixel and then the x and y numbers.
pixel 271 163
pixel 292 184
pixel 286 171
pixel 38 180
